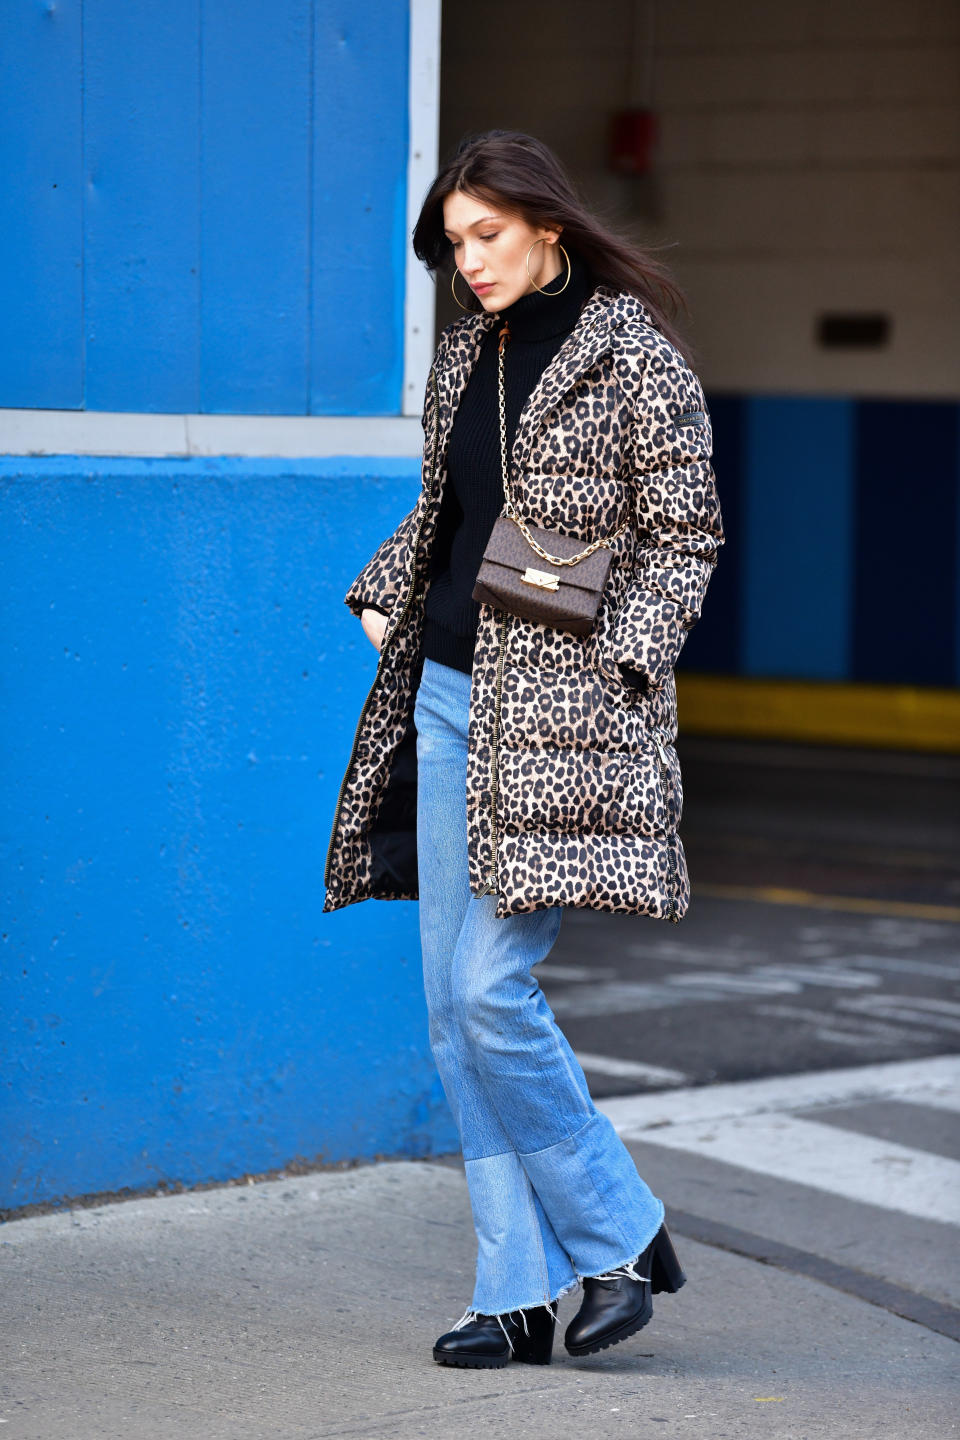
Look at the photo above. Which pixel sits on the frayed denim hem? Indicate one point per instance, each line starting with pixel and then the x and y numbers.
pixel 471 1314
pixel 628 1260
pixel 573 1285
pixel 474 1310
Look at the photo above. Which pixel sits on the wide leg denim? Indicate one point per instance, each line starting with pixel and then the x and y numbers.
pixel 554 1193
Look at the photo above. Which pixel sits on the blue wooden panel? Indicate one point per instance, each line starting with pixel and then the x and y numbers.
pixel 359 207
pixel 713 645
pixel 798 537
pixel 187 683
pixel 142 127
pixel 255 222
pixel 41 355
pixel 905 588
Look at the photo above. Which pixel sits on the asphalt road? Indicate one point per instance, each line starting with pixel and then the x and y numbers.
pixel 823 930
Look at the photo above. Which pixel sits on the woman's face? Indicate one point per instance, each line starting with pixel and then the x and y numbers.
pixel 490 249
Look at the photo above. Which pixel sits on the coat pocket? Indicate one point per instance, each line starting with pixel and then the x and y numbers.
pixel 598 658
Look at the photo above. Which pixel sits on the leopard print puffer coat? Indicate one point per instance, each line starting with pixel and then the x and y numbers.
pixel 573 783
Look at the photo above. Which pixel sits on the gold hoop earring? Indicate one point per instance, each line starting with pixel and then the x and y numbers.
pixel 453 287
pixel 534 283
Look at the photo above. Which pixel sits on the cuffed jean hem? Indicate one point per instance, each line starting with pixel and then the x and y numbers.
pixel 549 1218
pixel 520 1261
pixel 593 1164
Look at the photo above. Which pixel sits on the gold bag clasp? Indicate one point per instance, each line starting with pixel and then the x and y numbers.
pixel 543 578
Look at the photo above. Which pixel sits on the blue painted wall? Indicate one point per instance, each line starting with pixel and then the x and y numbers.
pixel 182 682
pixel 843 553
pixel 203 205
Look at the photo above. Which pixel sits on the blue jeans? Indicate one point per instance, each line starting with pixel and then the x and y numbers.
pixel 554 1193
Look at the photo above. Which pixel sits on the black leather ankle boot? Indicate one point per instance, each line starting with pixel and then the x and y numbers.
pixel 620 1302
pixel 488 1342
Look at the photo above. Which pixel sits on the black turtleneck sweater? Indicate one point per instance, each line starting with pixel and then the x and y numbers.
pixel 473 495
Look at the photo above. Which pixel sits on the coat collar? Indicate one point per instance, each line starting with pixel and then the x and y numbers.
pixel 591 337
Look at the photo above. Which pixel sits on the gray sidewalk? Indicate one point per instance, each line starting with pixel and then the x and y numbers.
pixel 308 1307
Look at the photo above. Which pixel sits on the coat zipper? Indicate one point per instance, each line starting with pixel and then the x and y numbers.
pixel 491 886
pixel 664 781
pixel 406 606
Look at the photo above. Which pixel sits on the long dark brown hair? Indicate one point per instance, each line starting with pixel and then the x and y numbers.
pixel 522 176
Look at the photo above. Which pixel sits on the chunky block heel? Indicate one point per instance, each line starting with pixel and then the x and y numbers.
pixel 666 1275
pixel 534 1346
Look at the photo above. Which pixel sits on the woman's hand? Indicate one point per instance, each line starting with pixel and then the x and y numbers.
pixel 374 625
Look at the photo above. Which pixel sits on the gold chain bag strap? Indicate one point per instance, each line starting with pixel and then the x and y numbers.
pixel 519 574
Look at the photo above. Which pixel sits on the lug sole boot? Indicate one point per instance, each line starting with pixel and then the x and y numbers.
pixel 489 1342
pixel 619 1302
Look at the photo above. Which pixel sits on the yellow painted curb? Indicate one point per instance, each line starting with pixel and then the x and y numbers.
pixel 896 716
pixel 814 900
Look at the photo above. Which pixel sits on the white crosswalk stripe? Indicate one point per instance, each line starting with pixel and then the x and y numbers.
pixel 756 1126
pixel 629 1070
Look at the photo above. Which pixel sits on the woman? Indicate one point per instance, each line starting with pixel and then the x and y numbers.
pixel 503 769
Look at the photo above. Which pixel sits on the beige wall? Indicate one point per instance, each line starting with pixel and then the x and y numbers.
pixel 809 162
